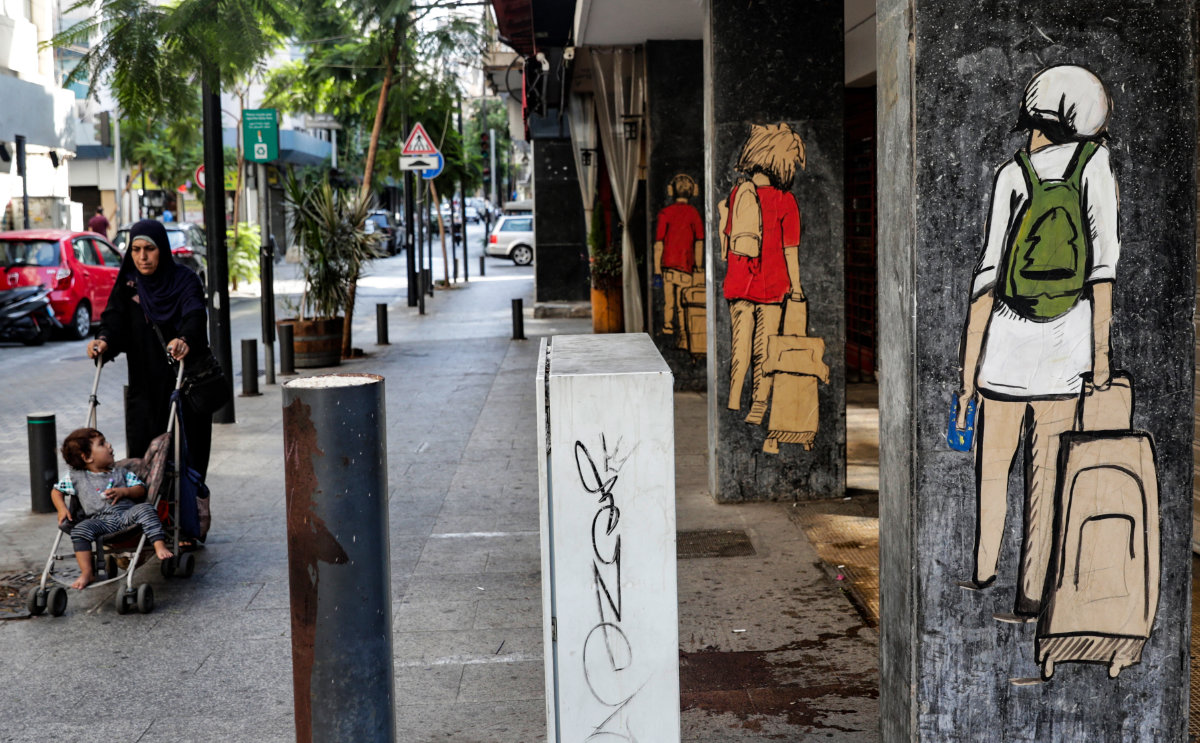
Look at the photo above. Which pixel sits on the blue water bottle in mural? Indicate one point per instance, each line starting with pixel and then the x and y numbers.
pixel 960 439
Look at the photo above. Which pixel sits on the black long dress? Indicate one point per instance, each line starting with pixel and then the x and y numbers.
pixel 126 329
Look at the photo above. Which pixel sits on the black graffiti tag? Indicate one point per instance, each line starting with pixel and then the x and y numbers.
pixel 602 669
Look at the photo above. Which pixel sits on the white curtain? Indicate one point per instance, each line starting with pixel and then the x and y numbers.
pixel 619 80
pixel 581 113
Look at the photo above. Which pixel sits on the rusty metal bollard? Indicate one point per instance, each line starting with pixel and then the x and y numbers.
pixel 335 472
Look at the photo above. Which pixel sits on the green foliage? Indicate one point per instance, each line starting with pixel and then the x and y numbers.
pixel 343 70
pixel 605 258
pixel 243 245
pixel 153 54
pixel 328 225
pixel 167 145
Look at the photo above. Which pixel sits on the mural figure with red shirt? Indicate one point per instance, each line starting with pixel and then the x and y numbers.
pixel 679 265
pixel 760 242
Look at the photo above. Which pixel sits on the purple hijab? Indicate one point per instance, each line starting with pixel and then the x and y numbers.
pixel 172 291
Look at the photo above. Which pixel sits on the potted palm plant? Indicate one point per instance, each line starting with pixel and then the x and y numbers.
pixel 605 260
pixel 328 227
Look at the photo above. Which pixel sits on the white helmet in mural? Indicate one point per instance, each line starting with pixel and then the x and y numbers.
pixel 1070 97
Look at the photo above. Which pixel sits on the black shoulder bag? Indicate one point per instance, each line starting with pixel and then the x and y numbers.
pixel 204 384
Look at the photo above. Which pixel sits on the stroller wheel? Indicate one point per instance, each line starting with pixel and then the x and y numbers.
pixel 57 601
pixel 36 601
pixel 145 598
pixel 122 601
pixel 187 564
pixel 168 567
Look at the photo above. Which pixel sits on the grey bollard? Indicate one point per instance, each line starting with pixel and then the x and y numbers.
pixel 249 367
pixel 456 268
pixel 381 325
pixel 518 318
pixel 43 460
pixel 287 354
pixel 427 280
pixel 482 267
pixel 335 475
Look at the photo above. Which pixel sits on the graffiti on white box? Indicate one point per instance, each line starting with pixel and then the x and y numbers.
pixel 607 653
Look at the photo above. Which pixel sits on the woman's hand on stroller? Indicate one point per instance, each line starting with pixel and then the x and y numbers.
pixel 178 348
pixel 96 348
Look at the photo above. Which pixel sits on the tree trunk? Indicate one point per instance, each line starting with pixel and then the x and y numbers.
pixel 368 170
pixel 442 230
pixel 381 108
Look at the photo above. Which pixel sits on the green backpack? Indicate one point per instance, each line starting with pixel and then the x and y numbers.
pixel 1045 267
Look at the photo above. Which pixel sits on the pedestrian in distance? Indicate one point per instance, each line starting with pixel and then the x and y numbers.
pixel 111 498
pixel 156 316
pixel 99 223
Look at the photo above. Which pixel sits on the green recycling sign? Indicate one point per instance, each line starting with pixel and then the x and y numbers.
pixel 260 134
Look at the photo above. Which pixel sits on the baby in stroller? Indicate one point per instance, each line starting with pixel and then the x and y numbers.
pixel 107 499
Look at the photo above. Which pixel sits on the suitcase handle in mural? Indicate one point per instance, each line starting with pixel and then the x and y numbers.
pixel 960 439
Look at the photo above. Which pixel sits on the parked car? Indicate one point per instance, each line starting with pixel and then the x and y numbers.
pixel 451 219
pixel 79 267
pixel 380 220
pixel 513 238
pixel 189 246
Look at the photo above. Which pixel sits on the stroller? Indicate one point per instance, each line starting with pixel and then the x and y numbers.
pixel 116 556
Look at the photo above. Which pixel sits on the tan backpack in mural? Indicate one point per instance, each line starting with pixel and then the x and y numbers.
pixel 743 213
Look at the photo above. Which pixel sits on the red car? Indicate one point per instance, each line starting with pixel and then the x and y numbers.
pixel 79 267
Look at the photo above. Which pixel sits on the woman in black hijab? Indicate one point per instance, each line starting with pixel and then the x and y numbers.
pixel 152 290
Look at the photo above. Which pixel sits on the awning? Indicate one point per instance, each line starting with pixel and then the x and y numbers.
pixel 514 21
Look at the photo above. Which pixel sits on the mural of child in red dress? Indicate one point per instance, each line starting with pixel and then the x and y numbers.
pixel 679 266
pixel 760 243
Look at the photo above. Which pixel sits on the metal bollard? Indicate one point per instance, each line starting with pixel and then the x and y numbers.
pixel 518 313
pixel 269 363
pixel 43 460
pixel 381 325
pixel 482 267
pixel 287 354
pixel 335 475
pixel 427 280
pixel 249 367
pixel 456 268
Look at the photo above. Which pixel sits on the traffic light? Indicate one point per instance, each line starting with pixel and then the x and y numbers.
pixel 485 144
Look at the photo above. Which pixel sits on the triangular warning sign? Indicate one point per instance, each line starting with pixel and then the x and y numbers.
pixel 418 143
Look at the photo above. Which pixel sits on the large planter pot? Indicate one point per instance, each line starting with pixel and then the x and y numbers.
pixel 316 343
pixel 607 312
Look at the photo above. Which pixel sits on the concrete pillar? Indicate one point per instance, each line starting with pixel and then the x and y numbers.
pixel 773 116
pixel 561 261
pixel 975 645
pixel 607 505
pixel 675 190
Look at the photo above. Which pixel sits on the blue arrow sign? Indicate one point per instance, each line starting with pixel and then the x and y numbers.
pixel 436 170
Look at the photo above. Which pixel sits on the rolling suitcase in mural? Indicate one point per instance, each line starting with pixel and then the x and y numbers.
pixel 795 362
pixel 1102 589
pixel 693 337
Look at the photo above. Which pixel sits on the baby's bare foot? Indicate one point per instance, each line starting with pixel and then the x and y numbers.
pixel 84 580
pixel 163 553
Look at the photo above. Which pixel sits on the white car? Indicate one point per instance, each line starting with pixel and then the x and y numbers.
pixel 512 238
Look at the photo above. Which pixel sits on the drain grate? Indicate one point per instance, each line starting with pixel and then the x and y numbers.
pixel 712 543
pixel 12 594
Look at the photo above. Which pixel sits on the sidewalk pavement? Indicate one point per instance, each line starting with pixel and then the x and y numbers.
pixel 770 647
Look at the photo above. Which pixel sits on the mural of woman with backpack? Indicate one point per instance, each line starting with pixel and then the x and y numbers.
pixel 760 242
pixel 1037 329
